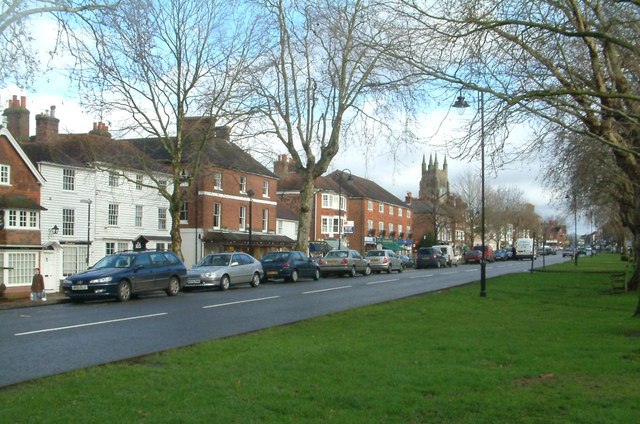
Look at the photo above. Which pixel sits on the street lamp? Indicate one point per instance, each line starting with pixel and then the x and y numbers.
pixel 340 205
pixel 88 202
pixel 461 103
pixel 250 193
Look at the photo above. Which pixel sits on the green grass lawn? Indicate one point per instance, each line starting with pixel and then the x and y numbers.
pixel 555 346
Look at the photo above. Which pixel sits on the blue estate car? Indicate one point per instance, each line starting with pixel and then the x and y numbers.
pixel 289 266
pixel 124 274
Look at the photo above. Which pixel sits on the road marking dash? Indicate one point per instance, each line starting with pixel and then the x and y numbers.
pixel 324 290
pixel 68 327
pixel 383 281
pixel 240 301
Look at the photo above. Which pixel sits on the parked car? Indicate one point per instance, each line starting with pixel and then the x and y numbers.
pixel 430 257
pixel 345 261
pixel 472 256
pixel 489 255
pixel 567 251
pixel 224 269
pixel 501 255
pixel 384 260
pixel 124 274
pixel 449 254
pixel 289 266
pixel 407 261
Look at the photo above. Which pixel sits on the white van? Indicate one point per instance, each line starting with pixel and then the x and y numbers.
pixel 525 249
pixel 450 254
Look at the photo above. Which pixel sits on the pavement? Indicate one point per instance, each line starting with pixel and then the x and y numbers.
pixel 52 299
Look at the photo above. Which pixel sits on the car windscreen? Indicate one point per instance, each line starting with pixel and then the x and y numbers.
pixel 337 254
pixel 375 253
pixel 276 257
pixel 114 261
pixel 215 260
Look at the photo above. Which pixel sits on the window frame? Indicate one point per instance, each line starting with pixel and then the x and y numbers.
pixel 5 174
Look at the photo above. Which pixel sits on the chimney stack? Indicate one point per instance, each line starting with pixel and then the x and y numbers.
pixel 18 118
pixel 100 129
pixel 47 126
pixel 408 198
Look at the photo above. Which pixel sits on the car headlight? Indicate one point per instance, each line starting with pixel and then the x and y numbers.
pixel 101 280
pixel 67 281
pixel 211 275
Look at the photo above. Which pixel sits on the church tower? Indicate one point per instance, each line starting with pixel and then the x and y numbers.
pixel 434 183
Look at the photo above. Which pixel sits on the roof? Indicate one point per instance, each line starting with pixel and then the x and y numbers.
pixel 83 149
pixel 285 212
pixel 258 238
pixel 217 152
pixel 364 188
pixel 293 182
pixel 14 201
pixel 18 148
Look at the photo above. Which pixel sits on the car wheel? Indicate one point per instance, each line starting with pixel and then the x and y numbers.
pixel 316 275
pixel 352 272
pixel 401 268
pixel 255 281
pixel 367 270
pixel 174 287
pixel 437 264
pixel 294 276
pixel 389 269
pixel 224 282
pixel 124 291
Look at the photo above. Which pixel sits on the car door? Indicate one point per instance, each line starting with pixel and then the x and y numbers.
pixel 142 273
pixel 240 269
pixel 359 261
pixel 159 278
pixel 301 262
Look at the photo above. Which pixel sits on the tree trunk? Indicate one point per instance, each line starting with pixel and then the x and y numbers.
pixel 306 211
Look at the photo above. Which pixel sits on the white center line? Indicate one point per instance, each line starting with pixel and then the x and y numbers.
pixel 240 301
pixel 382 281
pixel 421 276
pixel 324 290
pixel 90 324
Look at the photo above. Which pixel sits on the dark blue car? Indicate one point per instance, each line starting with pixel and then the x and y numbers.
pixel 501 255
pixel 289 266
pixel 122 275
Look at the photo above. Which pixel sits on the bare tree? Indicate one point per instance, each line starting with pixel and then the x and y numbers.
pixel 17 60
pixel 320 80
pixel 156 63
pixel 570 65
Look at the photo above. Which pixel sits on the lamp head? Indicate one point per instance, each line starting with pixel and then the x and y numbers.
pixel 460 103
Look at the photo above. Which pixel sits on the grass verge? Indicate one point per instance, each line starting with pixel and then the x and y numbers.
pixel 550 347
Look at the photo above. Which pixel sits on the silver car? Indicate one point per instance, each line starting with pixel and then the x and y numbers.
pixel 346 261
pixel 384 260
pixel 223 269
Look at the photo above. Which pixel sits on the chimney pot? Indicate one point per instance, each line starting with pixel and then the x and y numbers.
pixel 23 102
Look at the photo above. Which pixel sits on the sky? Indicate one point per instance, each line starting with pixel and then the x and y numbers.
pixel 398 172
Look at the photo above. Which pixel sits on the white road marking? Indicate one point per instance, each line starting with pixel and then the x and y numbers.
pixel 90 324
pixel 382 281
pixel 240 301
pixel 422 276
pixel 324 290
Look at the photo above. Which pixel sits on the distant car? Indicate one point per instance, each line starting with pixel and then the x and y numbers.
pixel 289 266
pixel 384 260
pixel 449 254
pixel 407 261
pixel 430 257
pixel 224 269
pixel 501 255
pixel 567 251
pixel 344 261
pixel 472 256
pixel 124 274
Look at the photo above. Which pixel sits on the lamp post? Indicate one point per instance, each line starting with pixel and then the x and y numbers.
pixel 250 193
pixel 340 205
pixel 461 103
pixel 88 202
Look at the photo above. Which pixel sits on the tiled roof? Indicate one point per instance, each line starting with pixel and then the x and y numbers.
pixel 81 149
pixel 293 182
pixel 285 212
pixel 218 152
pixel 362 188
